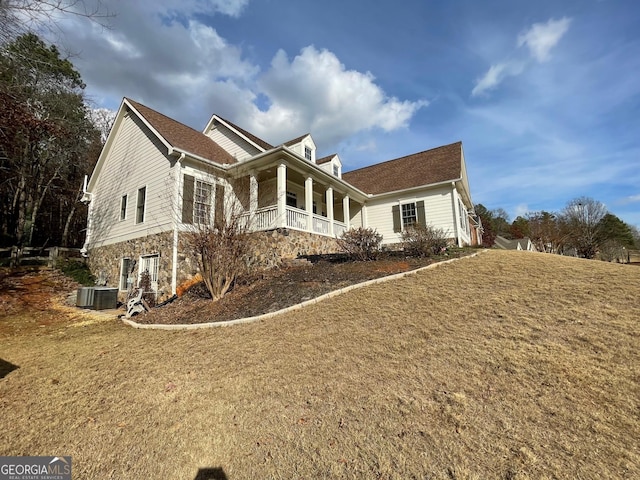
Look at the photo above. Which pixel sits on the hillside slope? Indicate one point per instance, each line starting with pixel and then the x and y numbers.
pixel 506 365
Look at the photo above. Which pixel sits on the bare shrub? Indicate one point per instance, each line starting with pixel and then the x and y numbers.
pixel 221 252
pixel 148 294
pixel 218 230
pixel 424 240
pixel 361 243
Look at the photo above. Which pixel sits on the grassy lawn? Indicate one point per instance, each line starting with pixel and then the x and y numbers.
pixel 508 365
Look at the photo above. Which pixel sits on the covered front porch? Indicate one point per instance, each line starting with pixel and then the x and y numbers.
pixel 282 196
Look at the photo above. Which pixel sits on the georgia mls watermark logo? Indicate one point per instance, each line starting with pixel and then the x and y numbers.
pixel 35 468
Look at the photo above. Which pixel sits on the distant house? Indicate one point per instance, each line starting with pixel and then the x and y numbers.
pixel 156 178
pixel 517 244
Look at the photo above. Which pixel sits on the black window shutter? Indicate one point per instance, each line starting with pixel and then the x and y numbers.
pixel 187 199
pixel 219 220
pixel 422 216
pixel 397 222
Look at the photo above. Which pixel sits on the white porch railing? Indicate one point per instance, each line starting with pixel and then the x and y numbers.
pixel 297 218
pixel 267 218
pixel 320 225
pixel 338 228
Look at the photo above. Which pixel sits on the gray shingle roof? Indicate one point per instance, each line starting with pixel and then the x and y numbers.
pixel 183 137
pixel 437 165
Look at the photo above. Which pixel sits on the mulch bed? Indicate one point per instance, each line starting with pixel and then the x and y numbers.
pixel 280 288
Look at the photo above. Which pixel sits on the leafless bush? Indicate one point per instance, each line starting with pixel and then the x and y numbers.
pixel 221 251
pixel 145 284
pixel 361 243
pixel 424 240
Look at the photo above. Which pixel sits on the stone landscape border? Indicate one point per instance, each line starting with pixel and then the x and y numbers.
pixel 264 316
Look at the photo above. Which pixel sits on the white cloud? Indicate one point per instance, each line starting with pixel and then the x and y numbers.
pixel 540 38
pixel 161 55
pixel 315 92
pixel 631 199
pixel 495 75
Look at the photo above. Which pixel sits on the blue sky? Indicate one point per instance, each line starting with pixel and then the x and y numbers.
pixel 544 95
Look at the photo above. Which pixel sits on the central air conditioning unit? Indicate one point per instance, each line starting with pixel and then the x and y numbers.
pixel 84 297
pixel 105 298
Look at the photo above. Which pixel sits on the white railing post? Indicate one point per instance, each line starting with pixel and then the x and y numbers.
pixel 308 202
pixel 330 209
pixel 346 211
pixel 281 193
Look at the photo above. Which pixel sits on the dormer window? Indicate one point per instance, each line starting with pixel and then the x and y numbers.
pixel 336 170
pixel 307 153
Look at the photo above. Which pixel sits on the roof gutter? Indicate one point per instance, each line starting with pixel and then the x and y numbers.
pixel 412 189
pixel 173 151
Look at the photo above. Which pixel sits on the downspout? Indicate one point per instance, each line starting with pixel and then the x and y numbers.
pixel 174 269
pixel 86 198
pixel 456 213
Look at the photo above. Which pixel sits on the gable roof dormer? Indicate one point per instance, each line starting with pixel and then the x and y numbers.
pixel 331 164
pixel 303 146
pixel 240 143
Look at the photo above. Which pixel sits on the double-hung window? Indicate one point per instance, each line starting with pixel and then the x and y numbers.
pixel 123 208
pixel 409 215
pixel 197 197
pixel 307 153
pixel 292 199
pixel 142 197
pixel 125 280
pixel 202 203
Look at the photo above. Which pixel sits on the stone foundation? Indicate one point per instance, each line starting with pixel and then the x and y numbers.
pixel 106 262
pixel 268 249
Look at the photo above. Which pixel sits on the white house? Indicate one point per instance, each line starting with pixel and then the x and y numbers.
pixel 156 178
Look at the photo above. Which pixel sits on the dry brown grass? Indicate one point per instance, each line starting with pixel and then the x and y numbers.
pixel 509 365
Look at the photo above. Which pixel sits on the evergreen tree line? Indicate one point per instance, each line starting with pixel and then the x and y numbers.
pixel 584 228
pixel 48 143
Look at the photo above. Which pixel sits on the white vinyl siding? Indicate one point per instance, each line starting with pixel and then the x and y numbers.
pixel 136 159
pixel 235 145
pixel 438 208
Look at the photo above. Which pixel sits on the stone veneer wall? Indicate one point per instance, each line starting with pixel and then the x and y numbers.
pixel 268 249
pixel 106 262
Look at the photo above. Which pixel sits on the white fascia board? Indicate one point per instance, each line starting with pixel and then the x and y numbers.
pixel 153 130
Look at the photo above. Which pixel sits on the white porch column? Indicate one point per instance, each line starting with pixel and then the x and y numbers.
pixel 253 192
pixel 281 195
pixel 363 214
pixel 347 212
pixel 329 195
pixel 308 202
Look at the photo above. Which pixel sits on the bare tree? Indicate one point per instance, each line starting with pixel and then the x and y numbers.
pixel 582 217
pixel 18 17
